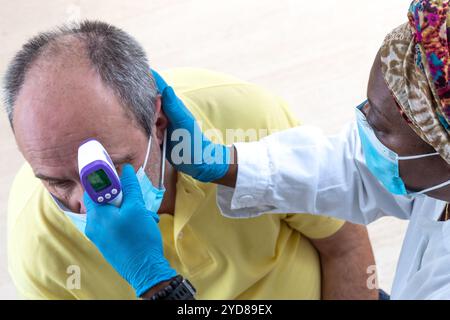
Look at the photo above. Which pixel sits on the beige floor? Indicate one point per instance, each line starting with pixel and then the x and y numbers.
pixel 316 54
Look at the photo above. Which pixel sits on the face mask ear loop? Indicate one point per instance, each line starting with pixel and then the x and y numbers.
pixel 163 160
pixel 419 157
pixel 148 152
pixel 445 184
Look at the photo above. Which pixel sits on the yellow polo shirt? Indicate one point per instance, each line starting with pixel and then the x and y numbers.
pixel 268 257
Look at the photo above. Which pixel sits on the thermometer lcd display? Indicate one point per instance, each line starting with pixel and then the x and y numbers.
pixel 99 180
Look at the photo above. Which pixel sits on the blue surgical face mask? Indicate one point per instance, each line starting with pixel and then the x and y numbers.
pixel 152 196
pixel 383 163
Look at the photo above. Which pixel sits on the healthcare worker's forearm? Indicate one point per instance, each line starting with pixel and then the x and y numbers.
pixel 298 170
pixel 229 180
pixel 302 170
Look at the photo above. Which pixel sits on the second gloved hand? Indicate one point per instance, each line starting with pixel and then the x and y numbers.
pixel 129 237
pixel 205 161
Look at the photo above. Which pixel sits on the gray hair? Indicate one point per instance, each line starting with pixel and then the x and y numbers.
pixel 117 57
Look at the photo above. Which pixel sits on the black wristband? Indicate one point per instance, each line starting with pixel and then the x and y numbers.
pixel 178 289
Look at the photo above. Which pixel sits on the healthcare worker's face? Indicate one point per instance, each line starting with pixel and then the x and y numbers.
pixel 393 131
pixel 63 103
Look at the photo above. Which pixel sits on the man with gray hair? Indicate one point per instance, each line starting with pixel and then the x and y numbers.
pixel 93 80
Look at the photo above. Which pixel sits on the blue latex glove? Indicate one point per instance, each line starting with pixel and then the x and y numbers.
pixel 208 161
pixel 129 237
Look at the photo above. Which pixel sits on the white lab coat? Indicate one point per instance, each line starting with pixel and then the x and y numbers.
pixel 303 171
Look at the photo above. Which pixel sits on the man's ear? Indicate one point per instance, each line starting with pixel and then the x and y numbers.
pixel 161 121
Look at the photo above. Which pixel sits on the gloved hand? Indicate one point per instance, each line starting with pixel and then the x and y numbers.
pixel 129 237
pixel 205 161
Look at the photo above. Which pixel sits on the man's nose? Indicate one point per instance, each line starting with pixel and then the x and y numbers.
pixel 76 200
pixel 82 206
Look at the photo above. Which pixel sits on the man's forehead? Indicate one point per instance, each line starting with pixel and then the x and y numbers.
pixel 64 109
pixel 52 147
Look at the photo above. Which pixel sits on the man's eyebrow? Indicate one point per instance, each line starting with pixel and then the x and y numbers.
pixel 47 178
pixel 122 159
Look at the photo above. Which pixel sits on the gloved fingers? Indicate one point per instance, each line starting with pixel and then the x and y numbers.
pixel 95 211
pixel 96 214
pixel 131 189
pixel 174 108
pixel 91 206
pixel 160 82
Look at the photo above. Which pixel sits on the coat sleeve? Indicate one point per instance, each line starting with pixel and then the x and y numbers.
pixel 303 171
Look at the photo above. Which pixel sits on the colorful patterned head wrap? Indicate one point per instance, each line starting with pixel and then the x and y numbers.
pixel 415 60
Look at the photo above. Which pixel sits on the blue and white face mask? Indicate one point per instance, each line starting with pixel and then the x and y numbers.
pixel 152 196
pixel 383 163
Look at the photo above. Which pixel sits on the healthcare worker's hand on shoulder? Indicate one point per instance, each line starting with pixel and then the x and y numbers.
pixel 129 237
pixel 207 161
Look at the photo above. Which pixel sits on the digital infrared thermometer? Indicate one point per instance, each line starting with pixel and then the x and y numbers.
pixel 98 174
